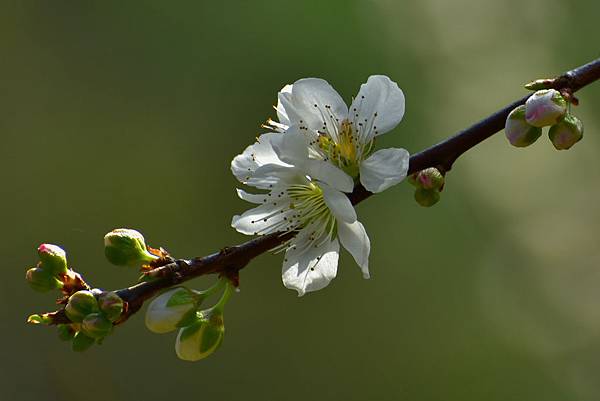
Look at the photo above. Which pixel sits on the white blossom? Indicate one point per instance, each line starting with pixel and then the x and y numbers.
pixel 345 136
pixel 305 196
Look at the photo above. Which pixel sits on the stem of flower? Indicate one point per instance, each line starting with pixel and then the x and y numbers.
pixel 211 290
pixel 229 289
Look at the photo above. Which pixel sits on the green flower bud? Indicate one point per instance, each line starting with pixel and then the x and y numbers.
pixel 427 197
pixel 430 178
pixel 518 132
pixel 96 325
pixel 125 247
pixel 81 342
pixel 167 311
pixel 201 338
pixel 66 332
pixel 53 259
pixel 111 305
pixel 566 133
pixel 42 280
pixel 81 304
pixel 545 107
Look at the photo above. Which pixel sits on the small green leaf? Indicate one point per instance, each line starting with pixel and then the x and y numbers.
pixel 81 342
pixel 183 297
pixel 39 319
pixel 188 319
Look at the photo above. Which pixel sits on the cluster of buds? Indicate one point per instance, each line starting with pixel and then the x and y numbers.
pixel 544 108
pixel 200 331
pixel 92 315
pixel 428 184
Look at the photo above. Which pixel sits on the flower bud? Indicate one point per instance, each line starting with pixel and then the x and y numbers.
pixel 81 342
pixel 427 197
pixel 518 132
pixel 545 107
pixel 96 325
pixel 430 178
pixel 53 259
pixel 42 280
pixel 167 311
pixel 65 332
pixel 81 304
pixel 125 247
pixel 201 338
pixel 566 133
pixel 111 305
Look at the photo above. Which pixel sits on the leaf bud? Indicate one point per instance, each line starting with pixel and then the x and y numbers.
pixel 53 259
pixel 81 342
pixel 125 247
pixel 81 304
pixel 427 197
pixel 42 280
pixel 96 325
pixel 111 305
pixel 518 131
pixel 545 107
pixel 167 311
pixel 202 337
pixel 545 83
pixel 40 319
pixel 566 133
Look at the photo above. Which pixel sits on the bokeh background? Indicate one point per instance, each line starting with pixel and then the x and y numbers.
pixel 127 114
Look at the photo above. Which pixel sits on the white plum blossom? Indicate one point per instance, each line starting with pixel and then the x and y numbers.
pixel 305 196
pixel 345 136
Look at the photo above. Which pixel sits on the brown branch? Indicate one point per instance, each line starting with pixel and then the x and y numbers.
pixel 229 261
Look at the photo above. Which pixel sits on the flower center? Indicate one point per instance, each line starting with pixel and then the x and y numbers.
pixel 308 204
pixel 347 152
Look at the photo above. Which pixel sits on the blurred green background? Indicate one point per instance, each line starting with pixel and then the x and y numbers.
pixel 128 113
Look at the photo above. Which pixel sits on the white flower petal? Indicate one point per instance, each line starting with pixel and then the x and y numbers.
pixel 379 106
pixel 339 204
pixel 161 318
pixel 314 104
pixel 252 198
pixel 254 156
pixel 355 239
pixel 329 174
pixel 262 219
pixel 283 100
pixel 384 168
pixel 291 147
pixel 312 268
pixel 270 175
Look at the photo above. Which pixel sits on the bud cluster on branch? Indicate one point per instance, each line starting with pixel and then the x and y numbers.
pixel 318 161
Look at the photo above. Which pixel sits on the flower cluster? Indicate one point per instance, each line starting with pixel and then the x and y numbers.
pixel 546 107
pixel 317 151
pixel 92 313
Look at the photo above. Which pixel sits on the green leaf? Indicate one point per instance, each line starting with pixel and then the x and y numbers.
pixel 188 319
pixel 183 297
pixel 39 319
